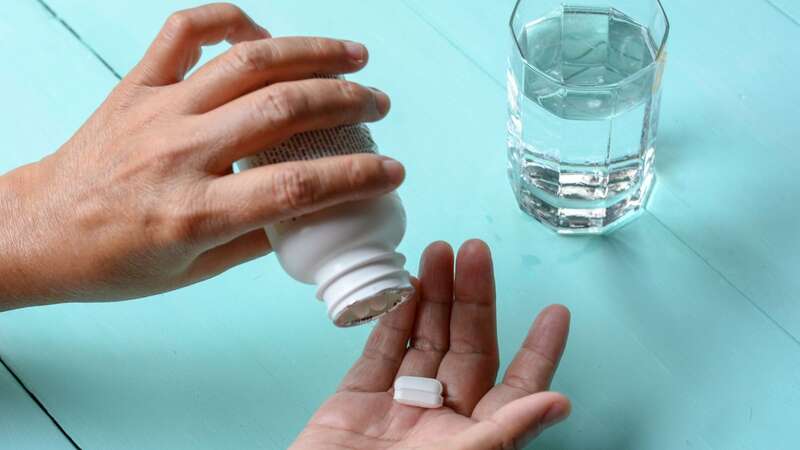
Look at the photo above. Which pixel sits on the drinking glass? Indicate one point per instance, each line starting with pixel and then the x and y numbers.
pixel 584 87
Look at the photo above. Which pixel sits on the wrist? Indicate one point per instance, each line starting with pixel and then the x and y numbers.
pixel 21 281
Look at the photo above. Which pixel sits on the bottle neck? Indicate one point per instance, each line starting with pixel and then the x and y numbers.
pixel 362 284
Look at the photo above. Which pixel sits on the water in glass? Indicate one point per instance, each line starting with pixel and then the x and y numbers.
pixel 583 101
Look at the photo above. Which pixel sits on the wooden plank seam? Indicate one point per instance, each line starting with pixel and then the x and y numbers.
pixel 38 402
pixel 783 12
pixel 79 38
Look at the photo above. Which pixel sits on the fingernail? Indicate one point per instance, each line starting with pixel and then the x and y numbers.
pixel 356 51
pixel 555 414
pixel 393 170
pixel 382 101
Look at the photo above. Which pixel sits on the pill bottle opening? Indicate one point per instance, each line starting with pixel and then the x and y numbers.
pixel 363 285
pixel 373 307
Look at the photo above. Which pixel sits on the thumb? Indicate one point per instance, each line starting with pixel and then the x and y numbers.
pixel 516 424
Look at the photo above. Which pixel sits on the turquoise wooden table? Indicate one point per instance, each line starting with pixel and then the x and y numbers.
pixel 686 323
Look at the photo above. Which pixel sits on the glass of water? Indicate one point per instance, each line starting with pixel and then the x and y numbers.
pixel 584 85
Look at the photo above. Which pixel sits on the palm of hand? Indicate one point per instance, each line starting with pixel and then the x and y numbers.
pixel 447 332
pixel 373 420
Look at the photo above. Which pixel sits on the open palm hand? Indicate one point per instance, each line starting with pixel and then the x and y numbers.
pixel 447 332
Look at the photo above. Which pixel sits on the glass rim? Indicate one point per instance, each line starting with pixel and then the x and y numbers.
pixel 657 60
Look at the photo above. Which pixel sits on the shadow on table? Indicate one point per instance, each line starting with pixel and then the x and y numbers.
pixel 670 148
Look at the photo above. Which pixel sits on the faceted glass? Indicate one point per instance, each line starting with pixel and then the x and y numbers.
pixel 584 86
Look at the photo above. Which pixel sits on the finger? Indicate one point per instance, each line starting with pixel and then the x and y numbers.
pixel 376 369
pixel 534 365
pixel 268 194
pixel 469 368
pixel 430 338
pixel 177 47
pixel 251 65
pixel 266 117
pixel 225 256
pixel 516 424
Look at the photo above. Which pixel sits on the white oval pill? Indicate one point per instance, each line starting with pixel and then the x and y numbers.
pixel 418 391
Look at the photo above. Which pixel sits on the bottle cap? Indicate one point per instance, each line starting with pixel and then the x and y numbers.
pixel 363 287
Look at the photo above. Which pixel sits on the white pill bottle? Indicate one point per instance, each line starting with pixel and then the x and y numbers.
pixel 348 251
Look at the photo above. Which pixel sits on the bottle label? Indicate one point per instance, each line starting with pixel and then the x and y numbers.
pixel 344 140
pixel 316 144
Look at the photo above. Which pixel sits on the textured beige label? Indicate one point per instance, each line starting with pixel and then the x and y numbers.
pixel 317 144
pixel 344 140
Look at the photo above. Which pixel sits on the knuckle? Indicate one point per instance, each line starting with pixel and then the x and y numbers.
pixel 175 221
pixel 195 215
pixel 178 24
pixel 127 94
pixel 359 172
pixel 162 162
pixel 321 47
pixel 428 345
pixel 249 56
pixel 184 226
pixel 520 382
pixel 165 162
pixel 358 102
pixel 168 153
pixel 538 357
pixel 463 346
pixel 230 9
pixel 374 352
pixel 188 224
pixel 351 92
pixel 294 189
pixel 162 154
pixel 279 105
